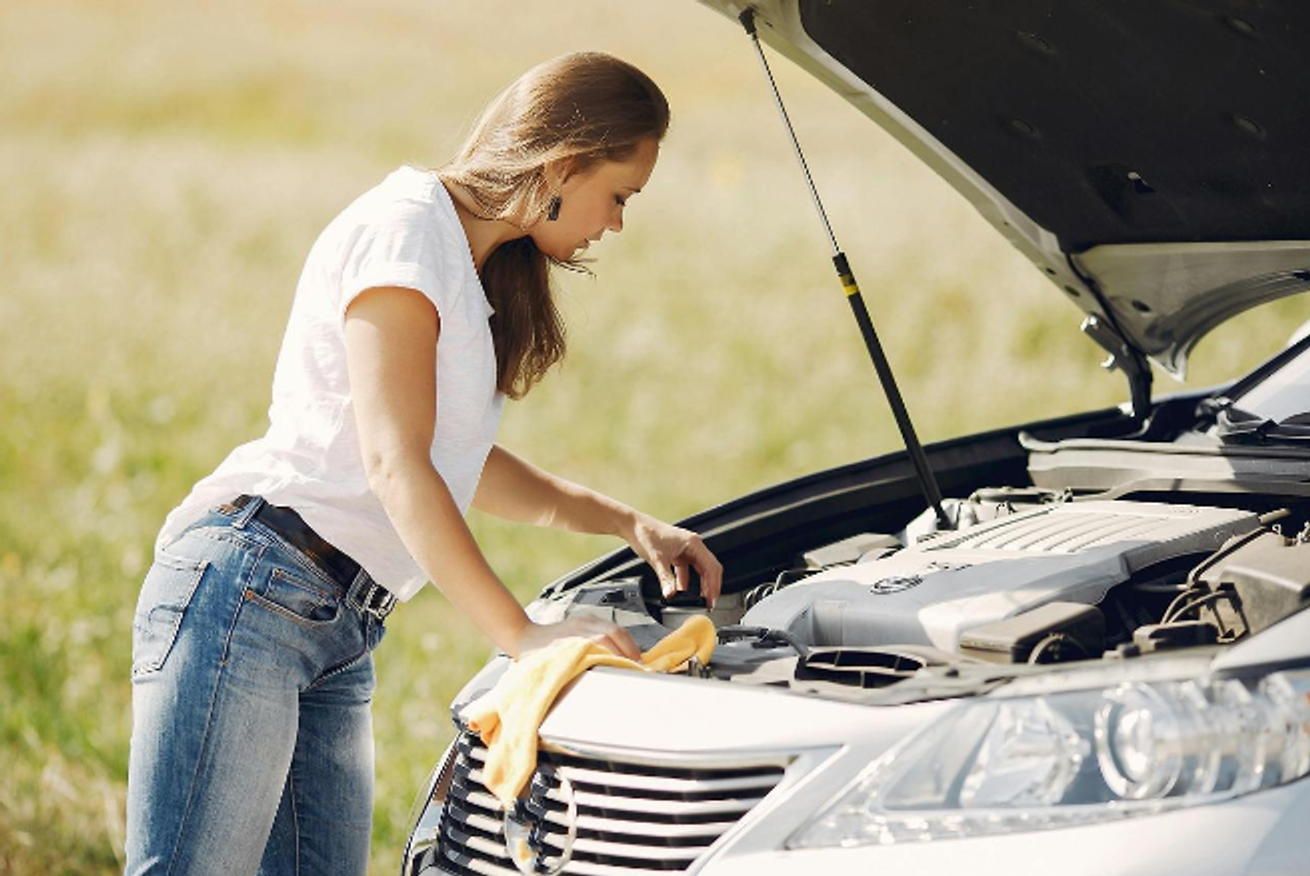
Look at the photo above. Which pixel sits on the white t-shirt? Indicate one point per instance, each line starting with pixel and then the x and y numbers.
pixel 403 232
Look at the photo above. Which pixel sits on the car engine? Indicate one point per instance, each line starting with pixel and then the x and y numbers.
pixel 937 590
pixel 1027 577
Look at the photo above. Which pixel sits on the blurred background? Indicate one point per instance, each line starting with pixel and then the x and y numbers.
pixel 164 169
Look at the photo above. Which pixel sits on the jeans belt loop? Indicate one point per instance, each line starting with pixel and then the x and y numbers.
pixel 247 507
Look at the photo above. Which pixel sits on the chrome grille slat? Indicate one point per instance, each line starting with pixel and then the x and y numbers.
pixel 691 808
pixel 583 845
pixel 656 785
pixel 490 848
pixel 632 819
pixel 666 784
pixel 467 852
pixel 502 866
pixel 479 753
pixel 477 865
pixel 475 814
pixel 646 806
pixel 709 829
pixel 484 800
pixel 591 868
pixel 476 820
pixel 491 870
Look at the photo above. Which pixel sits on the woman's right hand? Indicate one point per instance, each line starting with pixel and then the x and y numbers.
pixel 605 633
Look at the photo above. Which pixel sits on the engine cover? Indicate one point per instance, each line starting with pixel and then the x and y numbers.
pixel 932 591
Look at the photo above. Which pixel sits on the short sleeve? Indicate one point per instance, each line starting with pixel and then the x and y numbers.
pixel 397 243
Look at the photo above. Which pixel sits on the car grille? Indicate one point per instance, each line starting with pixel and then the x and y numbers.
pixel 631 818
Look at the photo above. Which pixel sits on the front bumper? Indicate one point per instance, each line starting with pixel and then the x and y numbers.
pixel 825 744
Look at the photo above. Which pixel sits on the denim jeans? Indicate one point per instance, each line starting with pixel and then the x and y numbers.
pixel 252 682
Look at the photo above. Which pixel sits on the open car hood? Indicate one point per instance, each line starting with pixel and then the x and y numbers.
pixel 1150 158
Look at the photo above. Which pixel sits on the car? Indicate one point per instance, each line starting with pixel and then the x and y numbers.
pixel 1075 646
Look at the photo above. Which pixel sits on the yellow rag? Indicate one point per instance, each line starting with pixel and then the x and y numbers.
pixel 508 716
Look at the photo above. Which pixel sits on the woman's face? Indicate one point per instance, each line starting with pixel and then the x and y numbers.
pixel 591 202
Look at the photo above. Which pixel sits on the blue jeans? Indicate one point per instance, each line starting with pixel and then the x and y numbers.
pixel 252 737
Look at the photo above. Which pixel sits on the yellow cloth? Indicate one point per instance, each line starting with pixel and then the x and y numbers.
pixel 508 716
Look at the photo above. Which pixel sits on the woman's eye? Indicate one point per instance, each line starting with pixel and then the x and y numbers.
pixel 621 201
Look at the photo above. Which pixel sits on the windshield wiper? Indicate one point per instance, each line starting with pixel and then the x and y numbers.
pixel 1233 425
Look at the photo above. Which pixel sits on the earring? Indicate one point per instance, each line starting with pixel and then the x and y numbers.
pixel 552 211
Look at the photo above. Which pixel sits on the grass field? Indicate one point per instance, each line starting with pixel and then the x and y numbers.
pixel 164 169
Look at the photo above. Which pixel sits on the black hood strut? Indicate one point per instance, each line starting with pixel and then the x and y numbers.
pixel 927 481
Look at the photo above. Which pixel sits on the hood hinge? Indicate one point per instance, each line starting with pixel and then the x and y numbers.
pixel 1123 356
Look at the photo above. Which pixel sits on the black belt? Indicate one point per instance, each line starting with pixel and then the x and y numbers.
pixel 361 590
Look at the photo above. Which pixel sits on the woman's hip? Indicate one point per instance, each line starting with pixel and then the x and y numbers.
pixel 230 592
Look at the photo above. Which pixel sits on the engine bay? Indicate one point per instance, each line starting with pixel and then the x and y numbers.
pixel 936 590
pixel 1027 577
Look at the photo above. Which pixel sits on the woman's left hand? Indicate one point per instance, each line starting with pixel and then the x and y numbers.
pixel 673 552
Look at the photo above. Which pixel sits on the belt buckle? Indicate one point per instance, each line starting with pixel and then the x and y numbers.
pixel 385 600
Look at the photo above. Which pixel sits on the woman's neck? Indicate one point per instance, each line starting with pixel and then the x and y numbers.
pixel 483 235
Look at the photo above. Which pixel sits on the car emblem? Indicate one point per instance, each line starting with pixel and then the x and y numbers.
pixel 525 826
pixel 896 584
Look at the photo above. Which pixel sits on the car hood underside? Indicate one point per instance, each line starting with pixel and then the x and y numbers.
pixel 1149 157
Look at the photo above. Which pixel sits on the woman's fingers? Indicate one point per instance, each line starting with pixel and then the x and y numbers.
pixel 668 582
pixel 682 573
pixel 621 642
pixel 610 636
pixel 673 552
pixel 696 555
pixel 711 575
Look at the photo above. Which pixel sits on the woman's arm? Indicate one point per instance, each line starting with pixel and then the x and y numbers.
pixel 515 489
pixel 391 337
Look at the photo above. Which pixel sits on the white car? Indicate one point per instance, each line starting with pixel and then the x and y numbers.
pixel 1091 656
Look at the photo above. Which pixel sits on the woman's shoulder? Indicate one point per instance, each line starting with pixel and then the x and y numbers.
pixel 409 203
pixel 406 192
pixel 404 231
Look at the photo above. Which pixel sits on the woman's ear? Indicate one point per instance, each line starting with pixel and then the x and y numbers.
pixel 558 171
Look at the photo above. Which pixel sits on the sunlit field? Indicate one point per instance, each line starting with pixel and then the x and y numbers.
pixel 164 169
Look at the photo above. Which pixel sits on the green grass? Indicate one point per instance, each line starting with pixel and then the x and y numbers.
pixel 164 169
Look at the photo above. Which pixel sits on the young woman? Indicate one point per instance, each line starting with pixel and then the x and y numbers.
pixel 421 307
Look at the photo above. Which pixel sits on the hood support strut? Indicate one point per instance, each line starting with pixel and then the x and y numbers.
pixel 927 481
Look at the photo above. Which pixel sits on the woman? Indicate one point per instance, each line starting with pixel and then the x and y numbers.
pixel 421 307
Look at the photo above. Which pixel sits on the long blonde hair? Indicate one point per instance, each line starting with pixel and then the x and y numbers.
pixel 583 108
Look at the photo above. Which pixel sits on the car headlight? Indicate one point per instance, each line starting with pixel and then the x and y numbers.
pixel 1006 765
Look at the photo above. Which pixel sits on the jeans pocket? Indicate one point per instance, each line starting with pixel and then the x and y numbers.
pixel 296 596
pixel 165 595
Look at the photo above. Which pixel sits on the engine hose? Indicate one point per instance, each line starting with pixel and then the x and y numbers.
pixel 761 592
pixel 1055 643
pixel 1198 602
